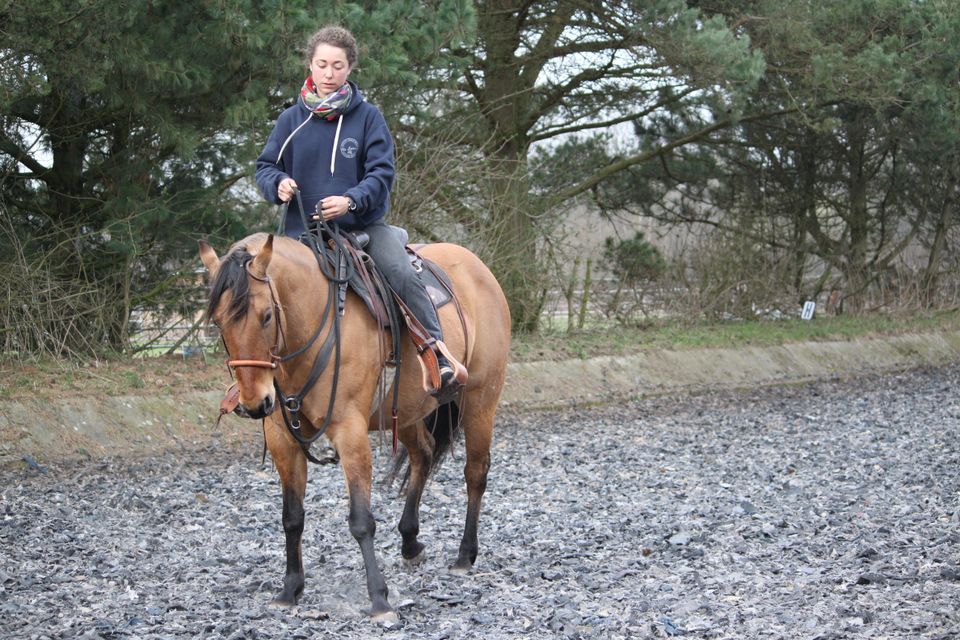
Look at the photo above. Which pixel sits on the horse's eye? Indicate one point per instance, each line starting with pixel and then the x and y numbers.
pixel 267 317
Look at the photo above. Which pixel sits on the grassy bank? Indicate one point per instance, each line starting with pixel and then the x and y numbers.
pixel 173 374
pixel 558 345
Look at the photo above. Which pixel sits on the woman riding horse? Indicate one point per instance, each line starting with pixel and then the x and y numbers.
pixel 271 301
pixel 335 148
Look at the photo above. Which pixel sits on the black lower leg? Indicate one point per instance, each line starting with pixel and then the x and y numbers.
pixel 476 477
pixel 293 532
pixel 409 526
pixel 469 543
pixel 363 527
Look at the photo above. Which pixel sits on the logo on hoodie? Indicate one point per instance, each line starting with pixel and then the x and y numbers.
pixel 349 147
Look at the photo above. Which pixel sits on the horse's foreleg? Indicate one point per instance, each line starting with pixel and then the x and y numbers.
pixel 354 449
pixel 478 435
pixel 291 464
pixel 419 457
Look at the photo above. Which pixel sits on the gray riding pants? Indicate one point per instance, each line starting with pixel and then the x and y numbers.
pixel 387 250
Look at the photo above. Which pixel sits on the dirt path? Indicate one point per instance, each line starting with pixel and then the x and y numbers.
pixel 825 510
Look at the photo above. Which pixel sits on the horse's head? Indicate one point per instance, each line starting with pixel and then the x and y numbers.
pixel 243 305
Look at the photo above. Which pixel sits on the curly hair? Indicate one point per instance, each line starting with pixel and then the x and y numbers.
pixel 334 36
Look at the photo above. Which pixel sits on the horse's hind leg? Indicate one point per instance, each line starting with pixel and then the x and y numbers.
pixel 419 448
pixel 478 435
pixel 291 464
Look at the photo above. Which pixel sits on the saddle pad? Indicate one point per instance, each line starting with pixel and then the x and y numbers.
pixel 430 274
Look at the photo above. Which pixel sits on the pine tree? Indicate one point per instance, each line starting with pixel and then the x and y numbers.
pixel 127 130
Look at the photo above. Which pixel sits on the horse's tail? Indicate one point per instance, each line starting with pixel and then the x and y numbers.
pixel 444 425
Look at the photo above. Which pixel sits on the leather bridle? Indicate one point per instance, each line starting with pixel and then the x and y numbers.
pixel 337 277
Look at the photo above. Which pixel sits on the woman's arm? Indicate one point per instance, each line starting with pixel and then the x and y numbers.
pixel 379 170
pixel 269 173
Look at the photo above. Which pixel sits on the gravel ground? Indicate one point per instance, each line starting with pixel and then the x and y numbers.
pixel 821 511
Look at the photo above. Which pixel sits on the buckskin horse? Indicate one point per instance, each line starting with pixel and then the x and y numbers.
pixel 269 297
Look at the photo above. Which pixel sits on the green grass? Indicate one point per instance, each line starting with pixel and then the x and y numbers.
pixel 556 345
pixel 133 380
pixel 54 379
pixel 119 374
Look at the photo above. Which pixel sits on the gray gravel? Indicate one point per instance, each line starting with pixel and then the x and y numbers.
pixel 822 511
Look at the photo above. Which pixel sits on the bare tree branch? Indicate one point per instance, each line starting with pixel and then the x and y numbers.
pixel 11 148
pixel 626 163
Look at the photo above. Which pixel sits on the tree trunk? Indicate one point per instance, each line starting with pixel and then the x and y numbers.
pixel 76 227
pixel 807 207
pixel 585 298
pixel 856 270
pixel 505 103
pixel 929 280
pixel 63 110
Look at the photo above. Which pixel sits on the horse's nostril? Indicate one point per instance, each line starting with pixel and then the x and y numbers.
pixel 267 405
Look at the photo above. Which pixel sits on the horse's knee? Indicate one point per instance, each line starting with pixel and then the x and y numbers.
pixel 362 524
pixel 293 512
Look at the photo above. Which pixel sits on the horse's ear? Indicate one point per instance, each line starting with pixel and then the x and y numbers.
pixel 209 257
pixel 262 260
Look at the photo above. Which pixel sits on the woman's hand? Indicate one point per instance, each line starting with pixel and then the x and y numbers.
pixel 332 207
pixel 286 189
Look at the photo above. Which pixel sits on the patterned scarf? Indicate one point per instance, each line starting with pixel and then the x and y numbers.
pixel 329 107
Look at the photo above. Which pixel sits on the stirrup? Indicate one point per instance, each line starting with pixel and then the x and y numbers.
pixel 452 377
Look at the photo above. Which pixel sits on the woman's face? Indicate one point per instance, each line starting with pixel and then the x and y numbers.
pixel 329 68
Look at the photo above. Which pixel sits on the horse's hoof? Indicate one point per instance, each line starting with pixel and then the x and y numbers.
pixel 460 569
pixel 416 560
pixel 329 455
pixel 282 603
pixel 387 618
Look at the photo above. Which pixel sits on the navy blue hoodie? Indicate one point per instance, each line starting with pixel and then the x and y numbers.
pixel 362 162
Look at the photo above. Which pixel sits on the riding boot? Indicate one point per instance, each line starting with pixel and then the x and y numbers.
pixel 446 370
pixel 453 374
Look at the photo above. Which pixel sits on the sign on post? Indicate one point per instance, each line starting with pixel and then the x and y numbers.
pixel 808 308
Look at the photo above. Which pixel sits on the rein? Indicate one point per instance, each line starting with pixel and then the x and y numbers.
pixel 337 278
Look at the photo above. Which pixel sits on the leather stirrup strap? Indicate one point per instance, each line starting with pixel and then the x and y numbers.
pixel 424 342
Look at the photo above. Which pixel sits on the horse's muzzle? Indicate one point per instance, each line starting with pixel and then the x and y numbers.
pixel 264 409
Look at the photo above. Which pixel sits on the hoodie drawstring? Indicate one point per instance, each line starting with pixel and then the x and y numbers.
pixel 336 142
pixel 290 137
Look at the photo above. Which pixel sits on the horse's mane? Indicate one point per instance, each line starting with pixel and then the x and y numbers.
pixel 231 276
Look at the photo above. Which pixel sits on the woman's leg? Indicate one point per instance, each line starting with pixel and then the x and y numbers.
pixel 391 257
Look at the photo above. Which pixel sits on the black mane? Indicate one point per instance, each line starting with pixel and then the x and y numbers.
pixel 232 277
